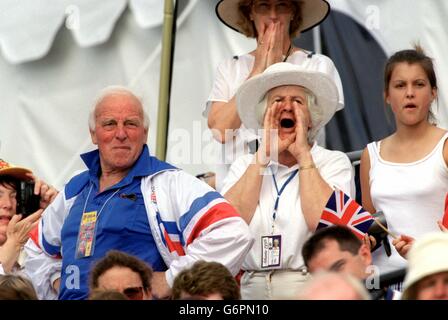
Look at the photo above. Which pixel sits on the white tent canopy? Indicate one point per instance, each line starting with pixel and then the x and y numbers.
pixel 56 55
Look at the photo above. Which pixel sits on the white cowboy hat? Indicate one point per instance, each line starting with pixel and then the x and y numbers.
pixel 20 173
pixel 313 13
pixel 426 257
pixel 253 91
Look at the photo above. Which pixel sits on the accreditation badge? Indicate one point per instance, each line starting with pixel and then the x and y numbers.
pixel 86 236
pixel 271 248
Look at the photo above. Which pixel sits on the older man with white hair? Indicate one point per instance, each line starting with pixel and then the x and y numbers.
pixel 130 201
pixel 282 189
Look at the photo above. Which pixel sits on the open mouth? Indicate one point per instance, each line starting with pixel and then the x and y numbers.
pixel 287 123
pixel 410 106
pixel 4 219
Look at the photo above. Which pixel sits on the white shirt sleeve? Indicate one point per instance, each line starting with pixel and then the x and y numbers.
pixel 42 270
pixel 337 170
pixel 1 270
pixel 220 90
pixel 236 171
pixel 231 73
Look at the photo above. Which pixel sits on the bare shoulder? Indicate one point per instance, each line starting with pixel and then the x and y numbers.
pixel 437 132
pixel 364 165
pixel 436 135
pixel 388 141
pixel 409 149
pixel 365 155
pixel 389 147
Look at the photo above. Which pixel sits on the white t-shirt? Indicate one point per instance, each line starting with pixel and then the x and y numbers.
pixel 232 73
pixel 334 167
pixel 411 195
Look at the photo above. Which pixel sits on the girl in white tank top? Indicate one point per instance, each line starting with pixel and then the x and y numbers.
pixel 405 175
pixel 411 195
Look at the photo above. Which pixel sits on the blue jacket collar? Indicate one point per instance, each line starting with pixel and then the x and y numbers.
pixel 146 165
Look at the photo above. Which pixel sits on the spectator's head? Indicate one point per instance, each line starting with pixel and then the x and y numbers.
pixel 250 17
pixel 210 280
pixel 119 126
pixel 107 295
pixel 14 287
pixel 123 273
pixel 336 249
pixel 9 178
pixel 333 286
pixel 427 275
pixel 403 68
pixel 288 90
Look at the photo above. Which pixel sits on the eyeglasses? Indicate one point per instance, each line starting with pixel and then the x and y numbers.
pixel 264 7
pixel 134 293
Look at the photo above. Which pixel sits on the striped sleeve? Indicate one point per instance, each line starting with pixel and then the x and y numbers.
pixel 210 226
pixel 204 211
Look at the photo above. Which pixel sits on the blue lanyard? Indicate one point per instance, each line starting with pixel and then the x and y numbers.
pixel 279 193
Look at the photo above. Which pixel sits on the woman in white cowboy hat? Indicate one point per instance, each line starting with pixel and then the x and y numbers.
pixel 282 189
pixel 273 23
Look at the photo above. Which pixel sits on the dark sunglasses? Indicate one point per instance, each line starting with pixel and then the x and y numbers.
pixel 134 293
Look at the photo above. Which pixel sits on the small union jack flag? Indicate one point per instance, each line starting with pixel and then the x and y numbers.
pixel 343 210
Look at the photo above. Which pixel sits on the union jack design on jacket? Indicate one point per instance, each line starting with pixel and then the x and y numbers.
pixel 343 210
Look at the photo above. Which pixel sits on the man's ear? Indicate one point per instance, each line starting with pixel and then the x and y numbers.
pixel 365 254
pixel 146 135
pixel 93 137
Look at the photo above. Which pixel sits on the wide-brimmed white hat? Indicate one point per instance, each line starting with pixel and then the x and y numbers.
pixel 427 256
pixel 6 169
pixel 253 91
pixel 313 13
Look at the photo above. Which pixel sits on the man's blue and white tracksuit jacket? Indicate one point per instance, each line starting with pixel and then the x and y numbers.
pixel 187 220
